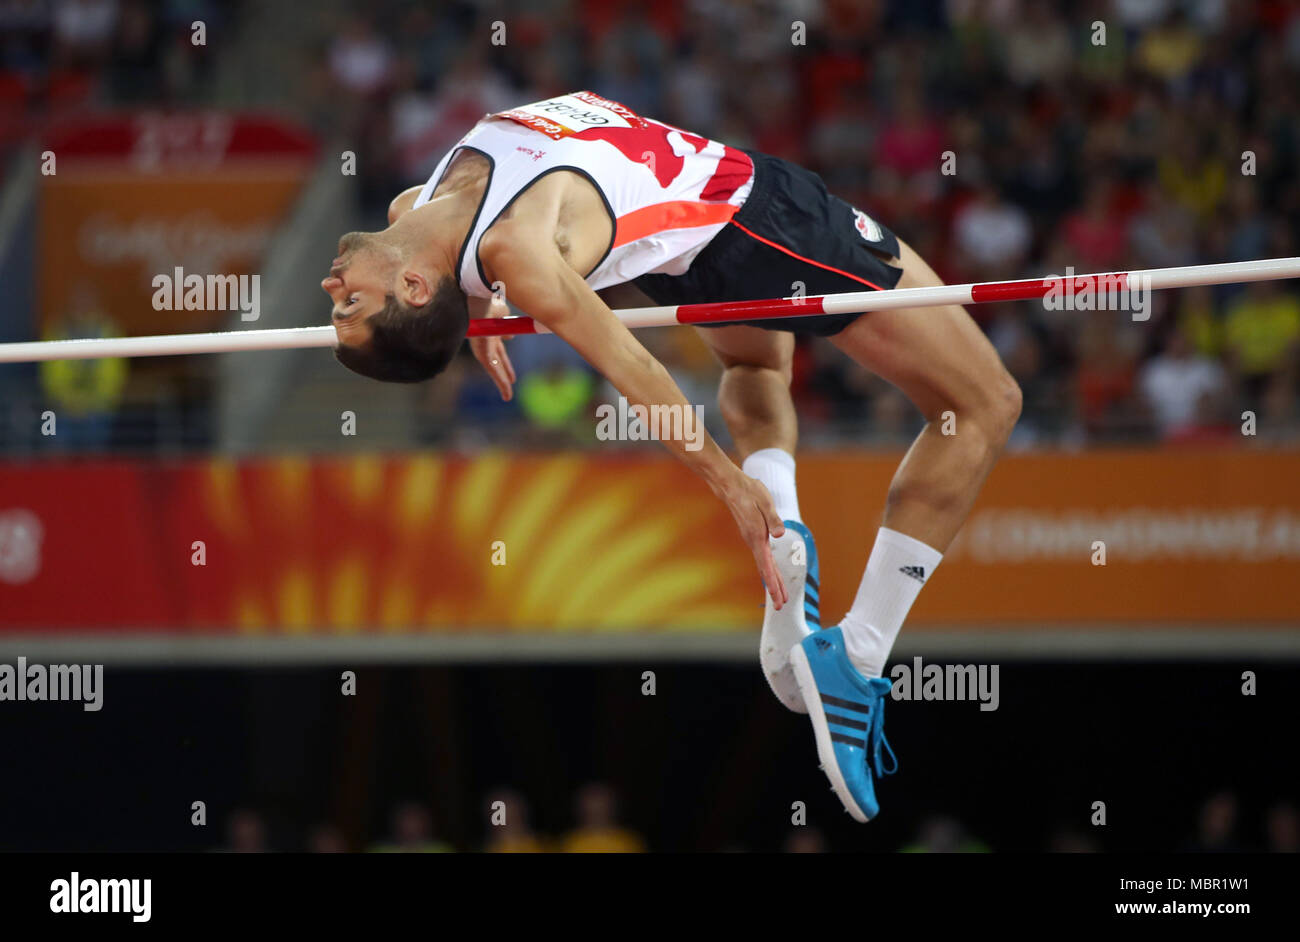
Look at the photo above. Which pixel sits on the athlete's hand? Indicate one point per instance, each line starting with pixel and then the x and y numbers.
pixel 755 513
pixel 491 352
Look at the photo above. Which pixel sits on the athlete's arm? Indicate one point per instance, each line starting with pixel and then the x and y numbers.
pixel 521 253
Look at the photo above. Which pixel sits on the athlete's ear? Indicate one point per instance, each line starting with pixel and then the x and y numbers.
pixel 416 290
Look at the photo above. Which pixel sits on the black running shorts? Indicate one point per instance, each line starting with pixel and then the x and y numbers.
pixel 790 231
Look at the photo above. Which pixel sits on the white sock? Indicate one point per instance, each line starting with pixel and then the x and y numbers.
pixel 899 566
pixel 775 468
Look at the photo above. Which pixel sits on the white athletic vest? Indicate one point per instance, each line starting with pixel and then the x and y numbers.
pixel 669 191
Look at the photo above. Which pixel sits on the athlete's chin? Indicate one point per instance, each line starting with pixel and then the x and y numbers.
pixel 351 241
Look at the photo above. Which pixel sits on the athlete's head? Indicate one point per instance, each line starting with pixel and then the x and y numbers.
pixel 398 320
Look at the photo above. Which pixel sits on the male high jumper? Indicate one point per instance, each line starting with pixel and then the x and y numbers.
pixel 561 199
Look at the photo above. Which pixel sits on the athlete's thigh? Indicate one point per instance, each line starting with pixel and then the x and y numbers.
pixel 742 345
pixel 937 356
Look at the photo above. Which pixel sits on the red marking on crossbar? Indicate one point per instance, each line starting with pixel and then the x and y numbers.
pixel 749 310
pixel 709 313
pixel 1039 287
pixel 501 326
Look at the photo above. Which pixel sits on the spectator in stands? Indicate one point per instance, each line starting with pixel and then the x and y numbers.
pixel 1162 234
pixel 427 125
pixel 412 833
pixel 598 830
pixel 1037 46
pixel 804 840
pixel 1181 386
pixel 1261 336
pixel 361 59
pixel 1282 829
pixel 510 831
pixel 245 833
pixel 941 834
pixel 556 401
pixel 1190 170
pixel 83 31
pixel 326 839
pixel 1096 233
pixel 912 140
pixel 992 235
pixel 1216 830
pixel 137 53
pixel 1171 50
pixel 1104 382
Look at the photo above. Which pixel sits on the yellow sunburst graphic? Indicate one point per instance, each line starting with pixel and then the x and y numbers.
pixel 499 541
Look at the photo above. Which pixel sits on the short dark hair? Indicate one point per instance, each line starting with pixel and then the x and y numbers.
pixel 411 344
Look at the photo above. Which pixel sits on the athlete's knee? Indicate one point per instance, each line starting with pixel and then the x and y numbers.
pixel 1007 401
pixel 990 415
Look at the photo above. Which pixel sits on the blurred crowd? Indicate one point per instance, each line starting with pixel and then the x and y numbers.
pixel 1000 138
pixel 62 55
pixel 1100 136
pixel 410 829
pixel 598 828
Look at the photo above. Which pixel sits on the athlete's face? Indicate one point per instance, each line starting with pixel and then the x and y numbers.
pixel 361 277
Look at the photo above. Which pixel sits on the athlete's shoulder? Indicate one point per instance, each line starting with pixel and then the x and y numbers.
pixel 403 202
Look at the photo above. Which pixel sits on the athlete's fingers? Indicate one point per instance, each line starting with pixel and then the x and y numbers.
pixel 502 375
pixel 771 575
pixel 767 507
pixel 492 355
pixel 745 498
pixel 762 549
pixel 503 371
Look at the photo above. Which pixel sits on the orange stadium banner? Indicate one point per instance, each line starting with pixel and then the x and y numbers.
pixel 125 198
pixel 633 543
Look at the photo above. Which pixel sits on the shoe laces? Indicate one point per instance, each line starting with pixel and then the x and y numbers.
pixel 879 744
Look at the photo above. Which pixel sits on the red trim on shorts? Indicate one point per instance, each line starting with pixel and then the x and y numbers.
pixel 782 248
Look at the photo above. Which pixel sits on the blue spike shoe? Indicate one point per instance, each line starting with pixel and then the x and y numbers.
pixel 848 717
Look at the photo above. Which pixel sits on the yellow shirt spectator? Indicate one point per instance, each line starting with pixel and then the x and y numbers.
pixel 1260 330
pixel 1198 188
pixel 611 840
pixel 516 844
pixel 1170 53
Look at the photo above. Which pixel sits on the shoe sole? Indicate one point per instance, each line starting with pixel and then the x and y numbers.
pixel 784 629
pixel 822 732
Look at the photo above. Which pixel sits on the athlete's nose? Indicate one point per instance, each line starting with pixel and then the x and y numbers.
pixel 331 284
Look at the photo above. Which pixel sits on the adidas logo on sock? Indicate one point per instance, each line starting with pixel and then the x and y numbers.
pixel 822 643
pixel 916 572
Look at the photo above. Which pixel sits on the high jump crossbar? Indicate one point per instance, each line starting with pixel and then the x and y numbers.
pixel 1100 285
